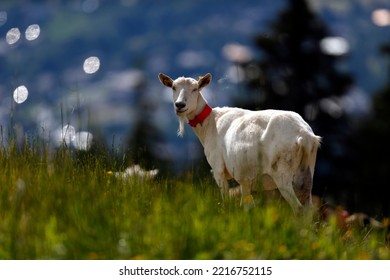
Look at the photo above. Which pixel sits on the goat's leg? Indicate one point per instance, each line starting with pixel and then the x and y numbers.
pixel 302 185
pixel 224 188
pixel 289 195
pixel 246 195
pixel 287 191
pixel 222 183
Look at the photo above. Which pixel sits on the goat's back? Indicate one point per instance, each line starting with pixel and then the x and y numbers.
pixel 269 141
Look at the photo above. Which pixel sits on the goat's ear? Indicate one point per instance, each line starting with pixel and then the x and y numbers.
pixel 204 81
pixel 165 80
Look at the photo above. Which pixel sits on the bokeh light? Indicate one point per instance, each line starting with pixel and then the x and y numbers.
pixel 66 135
pixel 381 17
pixel 20 94
pixel 83 140
pixel 13 36
pixel 237 53
pixel 33 32
pixel 91 65
pixel 334 46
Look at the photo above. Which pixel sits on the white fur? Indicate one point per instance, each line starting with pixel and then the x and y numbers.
pixel 277 147
pixel 181 129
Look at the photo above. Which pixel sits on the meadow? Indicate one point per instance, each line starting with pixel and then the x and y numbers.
pixel 63 205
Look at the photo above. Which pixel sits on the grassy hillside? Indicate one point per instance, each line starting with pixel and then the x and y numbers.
pixel 55 206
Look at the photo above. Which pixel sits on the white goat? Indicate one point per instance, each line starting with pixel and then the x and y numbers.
pixel 278 147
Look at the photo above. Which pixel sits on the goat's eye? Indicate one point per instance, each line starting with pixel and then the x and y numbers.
pixel 174 88
pixel 195 89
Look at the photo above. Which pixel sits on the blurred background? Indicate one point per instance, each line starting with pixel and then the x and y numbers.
pixel 84 73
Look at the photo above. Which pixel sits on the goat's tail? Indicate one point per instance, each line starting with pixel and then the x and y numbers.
pixel 308 145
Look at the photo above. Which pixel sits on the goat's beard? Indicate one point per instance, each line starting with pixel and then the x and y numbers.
pixel 180 131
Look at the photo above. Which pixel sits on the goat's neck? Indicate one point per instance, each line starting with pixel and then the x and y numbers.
pixel 208 124
pixel 201 103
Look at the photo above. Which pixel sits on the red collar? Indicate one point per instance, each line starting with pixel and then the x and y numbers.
pixel 201 117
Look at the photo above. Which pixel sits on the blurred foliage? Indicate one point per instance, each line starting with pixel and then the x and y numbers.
pixel 369 165
pixel 51 207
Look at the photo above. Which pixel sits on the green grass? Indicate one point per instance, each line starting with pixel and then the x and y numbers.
pixel 54 206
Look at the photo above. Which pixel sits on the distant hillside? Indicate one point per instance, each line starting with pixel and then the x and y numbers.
pixel 134 40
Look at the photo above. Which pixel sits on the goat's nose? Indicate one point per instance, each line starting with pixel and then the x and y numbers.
pixel 180 105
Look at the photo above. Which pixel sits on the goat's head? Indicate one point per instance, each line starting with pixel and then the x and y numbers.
pixel 185 94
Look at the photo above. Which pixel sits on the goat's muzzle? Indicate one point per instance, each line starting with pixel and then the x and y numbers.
pixel 180 107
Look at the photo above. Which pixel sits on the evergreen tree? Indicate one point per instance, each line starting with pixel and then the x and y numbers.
pixel 145 135
pixel 295 73
pixel 370 146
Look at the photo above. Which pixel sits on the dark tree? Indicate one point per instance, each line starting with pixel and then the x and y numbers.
pixel 295 73
pixel 144 135
pixel 371 164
